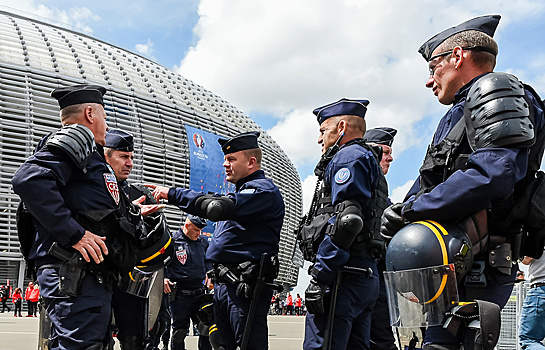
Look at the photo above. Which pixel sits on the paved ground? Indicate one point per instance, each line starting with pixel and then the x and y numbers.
pixel 285 333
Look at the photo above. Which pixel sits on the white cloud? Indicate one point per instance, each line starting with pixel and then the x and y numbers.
pixel 308 185
pixel 80 18
pixel 145 49
pixel 287 57
pixel 398 193
pixel 297 134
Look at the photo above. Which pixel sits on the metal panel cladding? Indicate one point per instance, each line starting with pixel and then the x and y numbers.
pixel 146 99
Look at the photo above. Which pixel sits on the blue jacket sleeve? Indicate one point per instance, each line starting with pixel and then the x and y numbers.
pixel 492 175
pixel 184 199
pixel 38 182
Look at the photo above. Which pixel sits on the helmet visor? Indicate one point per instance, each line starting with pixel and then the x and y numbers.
pixel 139 282
pixel 420 297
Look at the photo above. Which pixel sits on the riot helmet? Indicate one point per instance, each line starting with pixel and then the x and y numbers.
pixel 155 252
pixel 424 261
pixel 156 248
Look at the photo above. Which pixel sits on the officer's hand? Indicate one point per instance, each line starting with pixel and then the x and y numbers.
pixel 147 209
pixel 93 246
pixel 314 297
pixel 159 192
pixel 392 221
pixel 208 282
pixel 166 285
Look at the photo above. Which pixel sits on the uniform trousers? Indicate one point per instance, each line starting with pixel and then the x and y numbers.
pixel 79 322
pixel 182 309
pixel 356 297
pixel 230 313
pixel 130 312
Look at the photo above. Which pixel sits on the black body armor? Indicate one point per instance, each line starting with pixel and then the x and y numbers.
pixel 505 218
pixel 314 225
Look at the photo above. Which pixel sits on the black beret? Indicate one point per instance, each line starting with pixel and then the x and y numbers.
pixel 380 136
pixel 485 24
pixel 78 94
pixel 197 221
pixel 119 140
pixel 342 107
pixel 240 142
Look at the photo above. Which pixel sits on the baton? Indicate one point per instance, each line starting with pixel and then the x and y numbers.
pixel 260 282
pixel 331 314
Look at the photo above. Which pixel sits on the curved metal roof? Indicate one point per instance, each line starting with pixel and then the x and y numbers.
pixel 144 98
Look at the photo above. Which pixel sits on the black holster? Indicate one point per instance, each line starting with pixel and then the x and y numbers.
pixel 72 270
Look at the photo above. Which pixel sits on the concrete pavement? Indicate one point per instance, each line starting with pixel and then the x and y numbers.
pixel 21 333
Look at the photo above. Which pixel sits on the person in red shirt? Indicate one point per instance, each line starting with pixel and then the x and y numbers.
pixel 289 305
pixel 298 305
pixel 17 299
pixel 28 290
pixel 34 296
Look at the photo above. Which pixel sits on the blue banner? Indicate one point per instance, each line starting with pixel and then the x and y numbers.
pixel 206 158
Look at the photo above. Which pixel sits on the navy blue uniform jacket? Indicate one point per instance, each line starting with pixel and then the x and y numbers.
pixel 255 228
pixel 188 267
pixel 353 174
pixel 492 173
pixel 55 190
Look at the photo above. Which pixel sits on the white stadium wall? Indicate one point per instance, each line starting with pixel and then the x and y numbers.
pixel 146 99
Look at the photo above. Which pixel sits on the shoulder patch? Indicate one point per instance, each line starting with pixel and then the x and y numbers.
pixel 248 190
pixel 181 255
pixel 111 184
pixel 342 175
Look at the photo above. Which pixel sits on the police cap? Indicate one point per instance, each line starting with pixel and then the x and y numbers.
pixel 381 136
pixel 119 140
pixel 197 221
pixel 240 142
pixel 78 94
pixel 342 107
pixel 485 24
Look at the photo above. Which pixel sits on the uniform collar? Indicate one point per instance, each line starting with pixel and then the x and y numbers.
pixel 462 93
pixel 255 175
pixel 350 142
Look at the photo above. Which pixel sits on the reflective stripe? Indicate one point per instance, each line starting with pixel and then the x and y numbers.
pixel 435 228
pixel 161 251
pixel 440 239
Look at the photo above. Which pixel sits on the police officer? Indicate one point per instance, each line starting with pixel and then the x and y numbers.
pixel 383 137
pixel 65 176
pixel 244 246
pixel 477 157
pixel 382 337
pixel 119 153
pixel 187 272
pixel 358 194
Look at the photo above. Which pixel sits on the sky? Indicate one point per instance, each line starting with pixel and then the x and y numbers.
pixel 278 60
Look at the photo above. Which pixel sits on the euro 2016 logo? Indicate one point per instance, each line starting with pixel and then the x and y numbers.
pixel 199 140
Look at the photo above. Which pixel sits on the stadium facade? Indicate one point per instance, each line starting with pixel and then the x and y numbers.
pixel 154 103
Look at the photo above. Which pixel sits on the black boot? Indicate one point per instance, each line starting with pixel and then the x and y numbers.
pixel 132 342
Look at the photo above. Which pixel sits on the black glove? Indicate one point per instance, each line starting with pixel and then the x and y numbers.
pixel 314 297
pixel 244 290
pixel 392 221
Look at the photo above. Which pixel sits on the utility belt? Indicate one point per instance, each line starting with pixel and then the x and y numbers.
pixel 536 285
pixel 178 293
pixel 248 276
pixel 232 274
pixel 191 292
